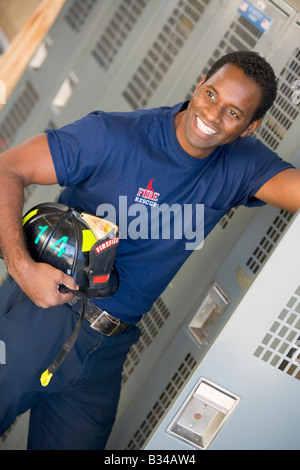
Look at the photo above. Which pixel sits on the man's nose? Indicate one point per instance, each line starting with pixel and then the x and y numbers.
pixel 213 114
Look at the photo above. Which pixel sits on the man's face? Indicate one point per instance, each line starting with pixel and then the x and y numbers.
pixel 219 112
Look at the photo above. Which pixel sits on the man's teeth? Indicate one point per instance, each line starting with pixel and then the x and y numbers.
pixel 203 128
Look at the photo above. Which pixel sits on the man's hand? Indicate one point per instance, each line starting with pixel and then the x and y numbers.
pixel 40 282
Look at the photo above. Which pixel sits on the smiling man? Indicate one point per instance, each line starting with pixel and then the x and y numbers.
pixel 220 111
pixel 194 153
pixel 229 103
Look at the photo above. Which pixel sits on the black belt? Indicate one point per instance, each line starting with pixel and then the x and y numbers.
pixel 102 321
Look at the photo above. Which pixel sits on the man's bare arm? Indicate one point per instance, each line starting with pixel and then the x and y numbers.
pixel 28 163
pixel 283 190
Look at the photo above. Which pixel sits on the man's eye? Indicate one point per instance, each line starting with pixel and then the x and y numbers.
pixel 233 113
pixel 210 94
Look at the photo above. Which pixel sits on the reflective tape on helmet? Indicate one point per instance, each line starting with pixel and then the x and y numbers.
pixel 28 216
pixel 88 240
pixel 100 279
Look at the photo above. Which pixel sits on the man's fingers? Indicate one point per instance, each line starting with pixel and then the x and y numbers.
pixel 42 286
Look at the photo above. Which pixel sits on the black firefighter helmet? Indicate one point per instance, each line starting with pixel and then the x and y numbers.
pixel 79 244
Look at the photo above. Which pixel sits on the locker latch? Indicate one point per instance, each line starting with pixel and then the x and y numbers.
pixel 203 414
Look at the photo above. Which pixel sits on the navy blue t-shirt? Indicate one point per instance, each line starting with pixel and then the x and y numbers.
pixel 130 167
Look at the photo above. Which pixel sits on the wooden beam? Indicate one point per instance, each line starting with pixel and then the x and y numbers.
pixel 18 54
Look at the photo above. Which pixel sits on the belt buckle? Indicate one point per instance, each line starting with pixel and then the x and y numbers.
pixel 106 320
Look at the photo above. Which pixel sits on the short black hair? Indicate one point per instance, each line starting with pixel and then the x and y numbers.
pixel 257 68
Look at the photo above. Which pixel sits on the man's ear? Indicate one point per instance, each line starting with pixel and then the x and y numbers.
pixel 251 128
pixel 200 83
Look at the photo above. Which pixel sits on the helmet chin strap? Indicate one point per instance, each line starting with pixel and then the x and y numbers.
pixel 69 343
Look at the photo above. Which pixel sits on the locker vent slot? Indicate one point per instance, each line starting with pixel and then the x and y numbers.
pixel 269 240
pixel 18 114
pixel 78 13
pixel 280 347
pixel 227 218
pixel 150 325
pixel 163 52
pixel 284 111
pixel 117 31
pixel 165 399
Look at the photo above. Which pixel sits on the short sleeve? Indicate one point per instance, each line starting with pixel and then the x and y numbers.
pixel 262 165
pixel 76 149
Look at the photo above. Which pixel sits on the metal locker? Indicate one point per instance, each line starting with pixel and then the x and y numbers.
pixel 251 372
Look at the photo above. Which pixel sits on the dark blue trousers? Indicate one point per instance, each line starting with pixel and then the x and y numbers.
pixel 78 407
